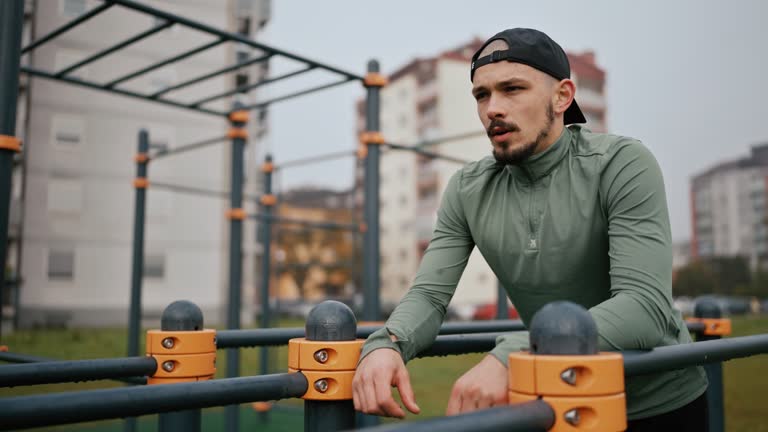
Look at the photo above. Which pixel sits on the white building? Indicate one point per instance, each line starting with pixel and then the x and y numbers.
pixel 429 99
pixel 73 206
pixel 728 209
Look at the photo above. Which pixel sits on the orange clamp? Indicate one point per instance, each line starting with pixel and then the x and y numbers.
pixel 586 392
pixel 140 183
pixel 363 228
pixel 328 365
pixel 237 133
pixel 371 138
pixel 375 79
pixel 261 406
pixel 268 200
pixel 714 326
pixel 239 116
pixel 3 348
pixel 182 356
pixel 267 167
pixel 11 143
pixel 141 158
pixel 236 213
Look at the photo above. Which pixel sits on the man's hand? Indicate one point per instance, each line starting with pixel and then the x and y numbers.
pixel 372 386
pixel 483 386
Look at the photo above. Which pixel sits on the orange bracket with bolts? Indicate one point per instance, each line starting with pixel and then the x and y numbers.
pixel 141 158
pixel 586 392
pixel 375 79
pixel 371 138
pixel 239 116
pixel 328 365
pixel 714 326
pixel 140 183
pixel 237 133
pixel 267 167
pixel 8 142
pixel 237 214
pixel 3 348
pixel 182 356
pixel 268 200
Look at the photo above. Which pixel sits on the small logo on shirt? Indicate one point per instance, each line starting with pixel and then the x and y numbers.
pixel 532 244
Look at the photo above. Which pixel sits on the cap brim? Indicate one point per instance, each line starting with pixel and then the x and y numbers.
pixel 573 114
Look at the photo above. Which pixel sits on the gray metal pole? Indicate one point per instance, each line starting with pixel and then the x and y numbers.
pixel 181 316
pixel 710 308
pixel 137 271
pixel 267 203
pixel 329 321
pixel 11 19
pixel 232 418
pixel 371 309
pixel 501 302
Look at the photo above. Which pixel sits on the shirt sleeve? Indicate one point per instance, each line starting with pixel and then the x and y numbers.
pixel 416 320
pixel 639 311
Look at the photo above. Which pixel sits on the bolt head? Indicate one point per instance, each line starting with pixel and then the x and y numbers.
pixel 572 417
pixel 569 376
pixel 168 366
pixel 321 385
pixel 168 343
pixel 321 356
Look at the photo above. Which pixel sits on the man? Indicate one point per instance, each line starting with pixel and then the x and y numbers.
pixel 559 213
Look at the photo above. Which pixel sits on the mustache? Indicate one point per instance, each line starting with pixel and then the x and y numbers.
pixel 503 127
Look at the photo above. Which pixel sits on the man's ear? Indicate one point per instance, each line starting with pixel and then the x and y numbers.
pixel 564 95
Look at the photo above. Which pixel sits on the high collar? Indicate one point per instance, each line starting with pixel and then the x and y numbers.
pixel 539 165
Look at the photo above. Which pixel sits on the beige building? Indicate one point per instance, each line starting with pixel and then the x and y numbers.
pixel 73 204
pixel 429 99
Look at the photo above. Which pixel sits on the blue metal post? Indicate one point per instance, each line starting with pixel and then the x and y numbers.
pixel 710 308
pixel 267 203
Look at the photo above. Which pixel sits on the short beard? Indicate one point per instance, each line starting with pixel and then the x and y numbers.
pixel 516 156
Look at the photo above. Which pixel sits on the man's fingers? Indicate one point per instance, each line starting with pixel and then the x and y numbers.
pixel 384 400
pixel 370 406
pixel 454 402
pixel 403 383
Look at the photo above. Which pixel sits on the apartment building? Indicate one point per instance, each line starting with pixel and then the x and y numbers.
pixel 728 209
pixel 73 200
pixel 427 100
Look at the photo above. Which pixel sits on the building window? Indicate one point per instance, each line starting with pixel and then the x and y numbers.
pixel 72 8
pixel 61 264
pixel 67 132
pixel 65 195
pixel 154 266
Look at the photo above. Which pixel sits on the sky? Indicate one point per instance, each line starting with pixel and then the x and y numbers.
pixel 687 77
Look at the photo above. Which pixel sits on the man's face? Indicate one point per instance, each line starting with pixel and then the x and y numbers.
pixel 514 102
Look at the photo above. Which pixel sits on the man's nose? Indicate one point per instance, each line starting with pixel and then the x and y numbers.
pixel 495 108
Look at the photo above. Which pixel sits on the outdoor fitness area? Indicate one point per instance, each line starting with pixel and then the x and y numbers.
pixel 559 385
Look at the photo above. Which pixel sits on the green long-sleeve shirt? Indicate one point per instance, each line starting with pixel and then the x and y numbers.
pixel 585 221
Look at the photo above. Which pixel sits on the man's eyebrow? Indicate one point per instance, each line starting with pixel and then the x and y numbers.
pixel 506 82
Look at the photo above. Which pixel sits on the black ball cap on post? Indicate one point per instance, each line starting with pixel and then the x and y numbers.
pixel 331 321
pixel 707 307
pixel 182 315
pixel 563 328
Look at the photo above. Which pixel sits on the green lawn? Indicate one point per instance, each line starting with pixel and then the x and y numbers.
pixel 746 380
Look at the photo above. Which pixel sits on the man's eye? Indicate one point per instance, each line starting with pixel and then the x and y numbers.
pixel 512 88
pixel 479 96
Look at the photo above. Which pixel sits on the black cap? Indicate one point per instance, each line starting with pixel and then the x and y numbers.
pixel 537 50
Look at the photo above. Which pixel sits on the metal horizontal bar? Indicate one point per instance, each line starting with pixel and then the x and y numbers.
pixel 165 62
pixel 321 158
pixel 458 344
pixel 24 358
pixel 74 407
pixel 66 27
pixel 426 153
pixel 141 7
pixel 531 416
pixel 450 138
pixel 76 81
pixel 113 48
pixel 697 353
pixel 281 336
pixel 195 191
pixel 53 372
pixel 307 223
pixel 211 75
pixel 297 94
pixel 249 87
pixel 187 147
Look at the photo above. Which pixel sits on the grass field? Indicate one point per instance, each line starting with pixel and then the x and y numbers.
pixel 746 380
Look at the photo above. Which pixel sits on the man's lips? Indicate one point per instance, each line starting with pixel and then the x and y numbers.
pixel 500 137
